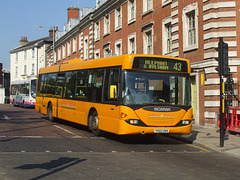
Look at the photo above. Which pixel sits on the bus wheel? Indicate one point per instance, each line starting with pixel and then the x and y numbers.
pixel 93 124
pixel 49 113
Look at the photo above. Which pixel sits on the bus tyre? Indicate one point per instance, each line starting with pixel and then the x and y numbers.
pixel 93 124
pixel 49 113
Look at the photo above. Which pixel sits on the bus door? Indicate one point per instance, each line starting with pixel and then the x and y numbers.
pixel 43 93
pixel 111 97
pixel 60 85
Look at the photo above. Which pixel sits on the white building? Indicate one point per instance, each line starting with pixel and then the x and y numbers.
pixel 28 58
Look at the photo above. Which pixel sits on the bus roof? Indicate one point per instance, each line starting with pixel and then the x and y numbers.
pixel 126 61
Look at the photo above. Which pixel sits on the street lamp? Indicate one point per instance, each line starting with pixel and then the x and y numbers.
pixel 53 28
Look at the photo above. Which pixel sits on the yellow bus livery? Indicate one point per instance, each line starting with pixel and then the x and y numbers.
pixel 127 94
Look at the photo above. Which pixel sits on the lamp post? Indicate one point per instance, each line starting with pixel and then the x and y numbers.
pixel 53 28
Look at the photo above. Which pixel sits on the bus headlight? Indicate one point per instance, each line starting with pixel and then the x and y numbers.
pixel 132 121
pixel 184 123
pixel 135 122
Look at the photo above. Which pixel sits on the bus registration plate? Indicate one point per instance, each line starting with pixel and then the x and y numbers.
pixel 161 130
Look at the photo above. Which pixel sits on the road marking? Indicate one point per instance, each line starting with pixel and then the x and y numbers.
pixel 34 137
pixel 203 149
pixel 39 137
pixel 70 132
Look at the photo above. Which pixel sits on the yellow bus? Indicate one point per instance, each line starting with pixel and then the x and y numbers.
pixel 128 94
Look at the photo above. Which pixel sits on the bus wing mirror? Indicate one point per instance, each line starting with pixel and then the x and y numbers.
pixel 113 91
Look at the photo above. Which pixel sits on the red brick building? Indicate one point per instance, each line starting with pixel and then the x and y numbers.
pixel 181 28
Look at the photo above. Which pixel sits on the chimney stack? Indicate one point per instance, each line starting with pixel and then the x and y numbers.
pixel 73 12
pixel 51 30
pixel 23 41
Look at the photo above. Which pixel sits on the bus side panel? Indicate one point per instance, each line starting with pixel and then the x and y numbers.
pixel 109 116
pixel 74 111
pixel 54 102
pixel 38 104
pixel 45 101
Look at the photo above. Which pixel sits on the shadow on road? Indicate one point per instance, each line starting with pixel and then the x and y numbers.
pixel 139 138
pixel 53 166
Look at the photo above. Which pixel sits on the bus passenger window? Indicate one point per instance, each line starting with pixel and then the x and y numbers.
pixel 60 85
pixel 95 83
pixel 70 85
pixel 82 80
pixel 42 84
pixel 51 84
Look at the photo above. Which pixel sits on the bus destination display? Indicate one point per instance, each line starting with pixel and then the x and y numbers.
pixel 161 64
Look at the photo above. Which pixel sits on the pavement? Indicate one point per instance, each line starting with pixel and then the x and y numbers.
pixel 210 137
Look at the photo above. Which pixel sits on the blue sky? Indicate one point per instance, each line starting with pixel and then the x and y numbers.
pixel 20 17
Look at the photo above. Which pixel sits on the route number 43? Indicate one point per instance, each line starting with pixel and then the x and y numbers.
pixel 178 66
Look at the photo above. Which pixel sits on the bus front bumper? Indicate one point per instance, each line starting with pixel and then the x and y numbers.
pixel 126 128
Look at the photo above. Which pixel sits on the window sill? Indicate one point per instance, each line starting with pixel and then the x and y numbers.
pixel 118 28
pixel 147 12
pixel 106 34
pixel 166 2
pixel 168 53
pixel 97 39
pixel 190 48
pixel 131 21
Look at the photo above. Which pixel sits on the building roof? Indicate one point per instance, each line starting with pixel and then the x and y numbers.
pixel 32 44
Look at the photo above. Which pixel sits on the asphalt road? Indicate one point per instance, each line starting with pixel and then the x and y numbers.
pixel 31 147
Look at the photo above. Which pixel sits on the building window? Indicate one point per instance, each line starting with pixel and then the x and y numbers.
pixel 16 57
pixel 107 51
pixel 33 71
pixel 80 42
pixel 85 48
pixel 59 54
pixel 97 54
pixel 106 25
pixel 132 44
pixel 190 27
pixel 69 48
pixel 16 72
pixel 118 18
pixel 131 11
pixel 25 69
pixel 147 5
pixel 118 47
pixel 74 45
pixel 167 35
pixel 97 31
pixel 25 55
pixel 147 42
pixel 64 51
pixel 32 53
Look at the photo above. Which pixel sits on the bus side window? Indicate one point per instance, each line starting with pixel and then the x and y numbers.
pixel 81 89
pixel 60 85
pixel 42 84
pixel 51 84
pixel 95 85
pixel 70 85
pixel 111 82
